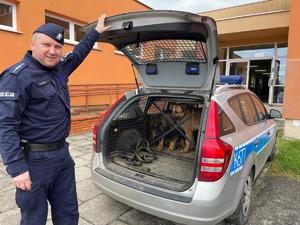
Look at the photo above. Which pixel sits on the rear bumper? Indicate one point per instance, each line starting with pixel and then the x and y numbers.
pixel 205 208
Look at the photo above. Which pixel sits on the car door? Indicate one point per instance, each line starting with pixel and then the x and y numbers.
pixel 267 126
pixel 255 130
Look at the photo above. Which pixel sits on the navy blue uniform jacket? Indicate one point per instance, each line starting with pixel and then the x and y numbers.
pixel 35 103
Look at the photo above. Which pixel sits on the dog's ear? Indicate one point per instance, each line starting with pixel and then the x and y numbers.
pixel 183 108
pixel 173 108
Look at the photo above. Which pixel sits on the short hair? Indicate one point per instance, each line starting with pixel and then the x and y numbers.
pixel 35 36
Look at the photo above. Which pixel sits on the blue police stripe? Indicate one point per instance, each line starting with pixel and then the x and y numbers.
pixel 242 151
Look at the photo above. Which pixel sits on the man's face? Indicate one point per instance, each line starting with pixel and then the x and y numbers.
pixel 45 50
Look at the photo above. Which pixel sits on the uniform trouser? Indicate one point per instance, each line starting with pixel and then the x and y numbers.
pixel 53 180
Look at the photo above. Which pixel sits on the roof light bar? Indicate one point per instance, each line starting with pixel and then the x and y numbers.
pixel 231 79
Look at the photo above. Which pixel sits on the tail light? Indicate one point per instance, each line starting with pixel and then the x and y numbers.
pixel 215 153
pixel 102 118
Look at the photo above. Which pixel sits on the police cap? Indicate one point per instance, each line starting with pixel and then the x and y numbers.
pixel 53 31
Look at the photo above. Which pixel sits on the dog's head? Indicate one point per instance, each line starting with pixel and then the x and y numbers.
pixel 157 127
pixel 178 111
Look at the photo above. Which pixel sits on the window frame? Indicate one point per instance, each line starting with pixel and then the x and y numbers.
pixel 72 24
pixel 252 96
pixel 222 131
pixel 14 17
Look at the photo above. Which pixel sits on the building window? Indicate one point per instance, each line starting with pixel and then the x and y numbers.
pixel 239 68
pixel 78 34
pixel 254 51
pixel 278 94
pixel 222 53
pixel 7 16
pixel 280 64
pixel 222 67
pixel 72 32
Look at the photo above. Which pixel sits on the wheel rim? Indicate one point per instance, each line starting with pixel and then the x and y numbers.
pixel 247 193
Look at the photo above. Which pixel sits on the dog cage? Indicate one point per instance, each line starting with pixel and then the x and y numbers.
pixel 151 134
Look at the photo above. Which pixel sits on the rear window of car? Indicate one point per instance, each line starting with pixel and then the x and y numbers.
pixel 225 125
pixel 156 51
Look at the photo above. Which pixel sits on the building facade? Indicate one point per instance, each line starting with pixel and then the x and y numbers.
pixel 260 42
pixel 105 70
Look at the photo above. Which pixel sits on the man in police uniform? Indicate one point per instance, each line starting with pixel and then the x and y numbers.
pixel 34 122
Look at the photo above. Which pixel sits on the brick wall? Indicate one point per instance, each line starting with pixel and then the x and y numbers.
pixel 83 124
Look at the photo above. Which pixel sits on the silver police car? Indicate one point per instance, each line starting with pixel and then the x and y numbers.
pixel 180 146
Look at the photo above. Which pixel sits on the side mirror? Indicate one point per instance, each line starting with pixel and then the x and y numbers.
pixel 275 114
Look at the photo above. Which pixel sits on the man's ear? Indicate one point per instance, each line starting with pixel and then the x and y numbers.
pixel 31 44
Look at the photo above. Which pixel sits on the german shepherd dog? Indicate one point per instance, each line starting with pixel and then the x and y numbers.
pixel 158 127
pixel 188 119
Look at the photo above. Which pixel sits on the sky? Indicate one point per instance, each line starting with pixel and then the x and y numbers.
pixel 195 6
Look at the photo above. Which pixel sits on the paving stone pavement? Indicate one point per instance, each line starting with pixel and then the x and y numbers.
pixel 96 208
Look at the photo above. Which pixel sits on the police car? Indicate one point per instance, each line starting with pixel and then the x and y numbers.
pixel 180 147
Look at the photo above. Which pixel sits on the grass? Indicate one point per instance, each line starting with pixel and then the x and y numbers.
pixel 287 159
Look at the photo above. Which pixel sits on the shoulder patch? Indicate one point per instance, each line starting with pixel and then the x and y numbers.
pixel 16 69
pixel 66 56
pixel 8 95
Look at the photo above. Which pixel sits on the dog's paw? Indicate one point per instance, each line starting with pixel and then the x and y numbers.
pixel 160 146
pixel 185 150
pixel 173 143
pixel 172 146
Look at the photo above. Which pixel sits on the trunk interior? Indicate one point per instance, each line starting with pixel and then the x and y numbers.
pixel 153 139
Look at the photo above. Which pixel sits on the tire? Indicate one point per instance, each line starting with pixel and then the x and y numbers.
pixel 242 212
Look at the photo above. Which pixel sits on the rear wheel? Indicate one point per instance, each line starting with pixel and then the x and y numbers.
pixel 241 214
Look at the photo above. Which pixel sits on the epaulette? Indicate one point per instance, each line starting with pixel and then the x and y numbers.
pixel 16 69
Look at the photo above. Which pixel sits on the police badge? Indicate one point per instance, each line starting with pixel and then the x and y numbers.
pixel 59 36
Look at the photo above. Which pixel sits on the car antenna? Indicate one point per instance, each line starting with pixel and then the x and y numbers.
pixel 136 82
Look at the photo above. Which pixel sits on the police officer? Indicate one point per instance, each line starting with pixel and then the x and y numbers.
pixel 34 122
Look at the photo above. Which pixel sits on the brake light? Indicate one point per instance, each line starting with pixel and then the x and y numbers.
pixel 215 153
pixel 102 118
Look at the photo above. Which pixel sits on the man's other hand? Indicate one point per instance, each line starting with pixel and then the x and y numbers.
pixel 22 181
pixel 100 25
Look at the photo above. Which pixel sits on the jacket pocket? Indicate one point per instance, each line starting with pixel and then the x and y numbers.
pixel 42 89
